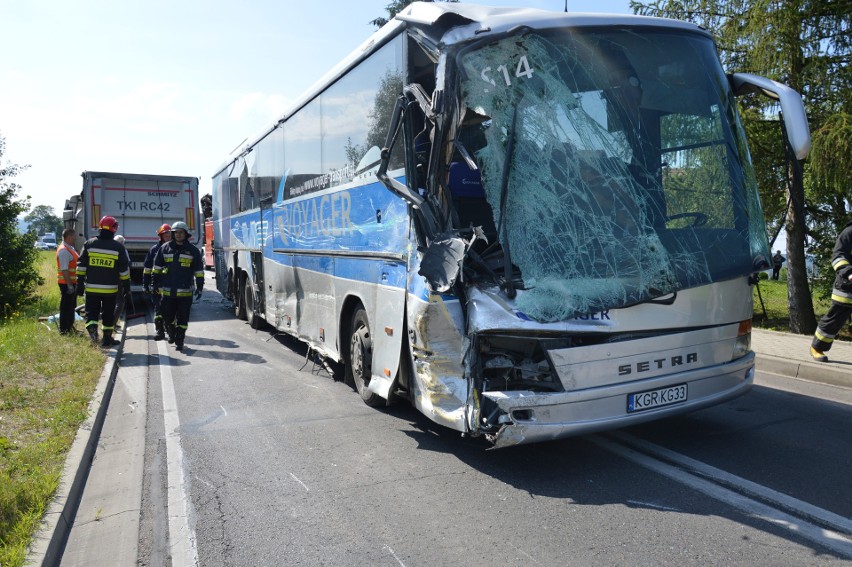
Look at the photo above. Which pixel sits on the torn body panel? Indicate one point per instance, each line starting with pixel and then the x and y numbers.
pixel 534 418
pixel 536 381
pixel 436 331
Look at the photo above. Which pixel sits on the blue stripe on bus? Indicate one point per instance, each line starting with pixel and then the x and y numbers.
pixel 360 219
pixel 367 270
pixel 365 218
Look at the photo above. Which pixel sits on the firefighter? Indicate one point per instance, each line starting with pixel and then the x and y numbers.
pixel 164 234
pixel 176 264
pixel 103 272
pixel 841 296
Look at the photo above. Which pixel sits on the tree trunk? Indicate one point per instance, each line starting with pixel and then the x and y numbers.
pixel 802 318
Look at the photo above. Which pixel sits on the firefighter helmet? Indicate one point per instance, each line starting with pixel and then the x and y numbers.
pixel 180 225
pixel 108 223
pixel 163 229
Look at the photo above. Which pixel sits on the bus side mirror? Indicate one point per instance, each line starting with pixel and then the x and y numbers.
pixel 792 108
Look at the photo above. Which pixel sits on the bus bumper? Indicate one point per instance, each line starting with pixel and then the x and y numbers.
pixel 533 417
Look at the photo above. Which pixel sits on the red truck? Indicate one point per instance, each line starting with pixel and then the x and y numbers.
pixel 208 245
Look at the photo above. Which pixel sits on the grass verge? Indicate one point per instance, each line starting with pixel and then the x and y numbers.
pixel 46 382
pixel 774 293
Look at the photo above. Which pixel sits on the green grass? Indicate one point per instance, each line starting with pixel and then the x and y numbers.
pixel 774 293
pixel 46 382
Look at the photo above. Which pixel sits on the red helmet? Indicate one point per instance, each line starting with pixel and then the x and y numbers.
pixel 164 228
pixel 108 223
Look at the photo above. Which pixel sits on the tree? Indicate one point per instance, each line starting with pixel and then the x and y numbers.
pixel 17 254
pixel 806 45
pixel 395 7
pixel 42 219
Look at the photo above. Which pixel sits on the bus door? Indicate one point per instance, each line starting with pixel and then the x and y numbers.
pixel 389 329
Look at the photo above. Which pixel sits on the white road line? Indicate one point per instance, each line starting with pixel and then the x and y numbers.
pixel 833 540
pixel 305 486
pixel 524 553
pixel 181 533
pixel 394 555
pixel 783 501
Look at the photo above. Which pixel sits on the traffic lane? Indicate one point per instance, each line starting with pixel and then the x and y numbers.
pixel 789 435
pixel 353 489
pixel 288 467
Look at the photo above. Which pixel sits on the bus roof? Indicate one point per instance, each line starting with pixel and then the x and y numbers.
pixel 454 23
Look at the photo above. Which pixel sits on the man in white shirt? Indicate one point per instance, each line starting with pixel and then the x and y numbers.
pixel 66 273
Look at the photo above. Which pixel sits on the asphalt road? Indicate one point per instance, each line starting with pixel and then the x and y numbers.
pixel 240 452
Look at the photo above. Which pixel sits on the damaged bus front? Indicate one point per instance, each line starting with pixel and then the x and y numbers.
pixel 588 224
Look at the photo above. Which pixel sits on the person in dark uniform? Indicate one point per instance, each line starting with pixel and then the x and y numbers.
pixel 841 296
pixel 164 233
pixel 777 261
pixel 103 271
pixel 176 264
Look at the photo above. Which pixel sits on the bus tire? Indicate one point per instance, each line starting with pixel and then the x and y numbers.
pixel 239 298
pixel 252 316
pixel 360 361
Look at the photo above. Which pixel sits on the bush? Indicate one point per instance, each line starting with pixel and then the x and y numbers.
pixel 17 253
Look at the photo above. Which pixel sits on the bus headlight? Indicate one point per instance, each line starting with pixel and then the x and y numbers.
pixel 742 346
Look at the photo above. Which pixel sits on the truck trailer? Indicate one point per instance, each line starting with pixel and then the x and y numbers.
pixel 140 203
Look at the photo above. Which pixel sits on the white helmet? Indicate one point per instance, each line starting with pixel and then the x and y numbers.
pixel 180 225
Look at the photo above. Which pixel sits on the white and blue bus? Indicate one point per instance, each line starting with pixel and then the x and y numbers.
pixel 529 224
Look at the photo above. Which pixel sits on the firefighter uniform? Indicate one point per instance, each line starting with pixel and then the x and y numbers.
pixel 841 296
pixel 103 271
pixel 175 266
pixel 164 233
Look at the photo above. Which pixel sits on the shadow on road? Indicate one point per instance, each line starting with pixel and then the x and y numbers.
pixel 749 437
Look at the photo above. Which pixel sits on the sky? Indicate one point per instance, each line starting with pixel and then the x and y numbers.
pixel 167 87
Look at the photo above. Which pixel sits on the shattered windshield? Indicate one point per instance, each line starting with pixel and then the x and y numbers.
pixel 619 161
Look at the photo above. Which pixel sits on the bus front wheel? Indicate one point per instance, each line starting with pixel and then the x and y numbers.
pixel 360 363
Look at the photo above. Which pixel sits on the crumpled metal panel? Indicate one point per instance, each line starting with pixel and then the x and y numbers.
pixel 441 391
pixel 714 304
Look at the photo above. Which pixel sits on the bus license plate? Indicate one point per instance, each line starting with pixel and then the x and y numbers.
pixel 656 398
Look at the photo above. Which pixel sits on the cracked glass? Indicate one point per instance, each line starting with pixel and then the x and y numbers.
pixel 621 162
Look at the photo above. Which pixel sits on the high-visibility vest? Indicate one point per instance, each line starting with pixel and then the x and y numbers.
pixel 72 265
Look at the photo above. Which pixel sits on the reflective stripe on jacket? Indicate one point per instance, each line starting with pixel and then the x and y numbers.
pixel 104 265
pixel 175 267
pixel 72 264
pixel 148 265
pixel 841 262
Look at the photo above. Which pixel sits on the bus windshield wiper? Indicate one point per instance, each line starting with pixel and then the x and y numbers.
pixel 504 198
